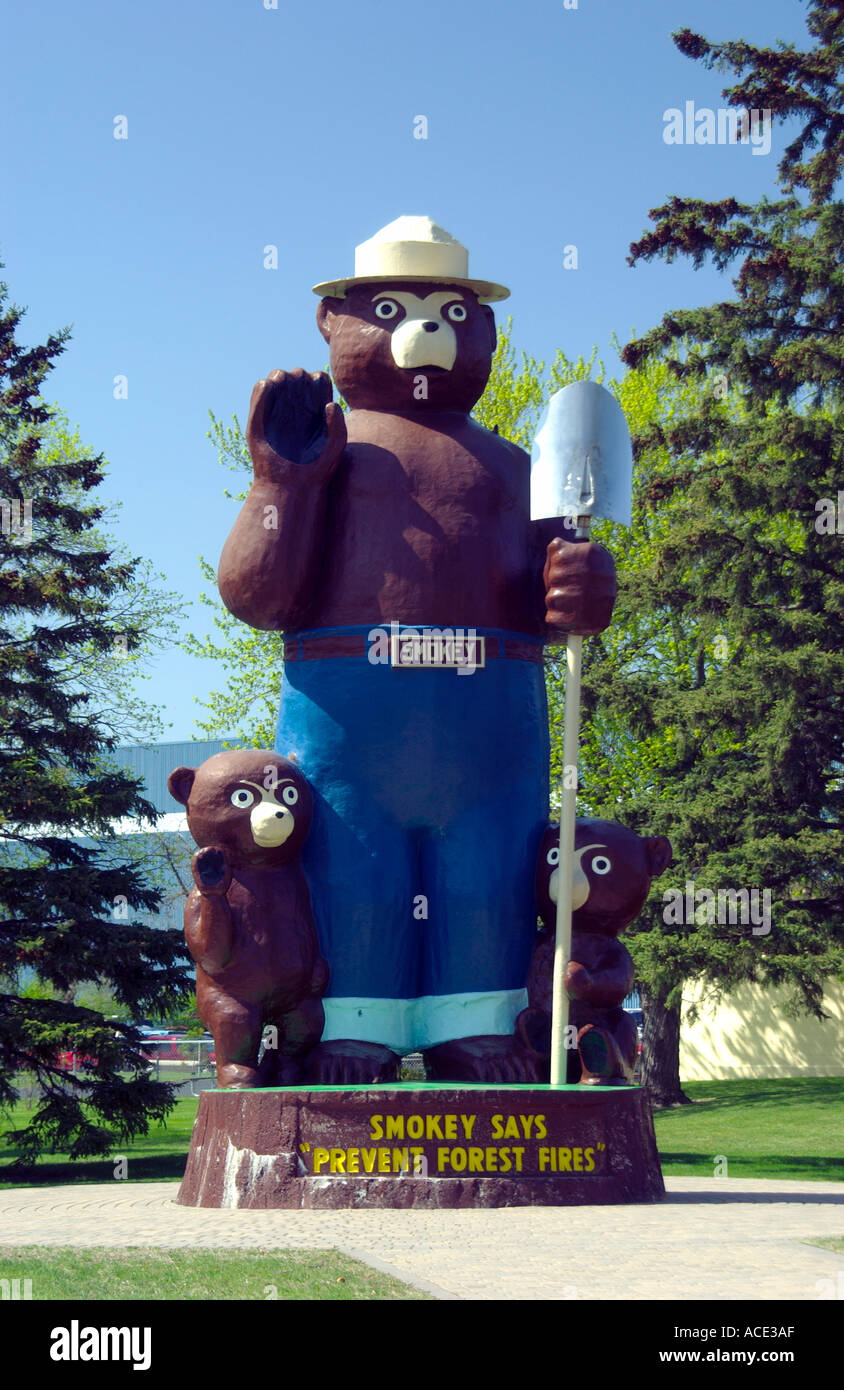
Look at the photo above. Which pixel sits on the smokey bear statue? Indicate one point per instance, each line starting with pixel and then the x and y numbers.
pixel 394 548
pixel 248 921
pixel 613 869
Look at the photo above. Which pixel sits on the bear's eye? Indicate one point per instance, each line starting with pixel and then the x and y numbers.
pixel 601 864
pixel 242 799
pixel 290 795
pixel 386 309
pixel 456 312
pixel 553 856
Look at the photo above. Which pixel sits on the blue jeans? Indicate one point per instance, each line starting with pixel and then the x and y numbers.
pixel 430 797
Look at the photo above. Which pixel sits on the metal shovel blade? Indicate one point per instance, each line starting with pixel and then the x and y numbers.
pixel 582 458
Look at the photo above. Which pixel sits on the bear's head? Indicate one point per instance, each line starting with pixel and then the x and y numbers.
pixel 613 869
pixel 253 804
pixel 409 345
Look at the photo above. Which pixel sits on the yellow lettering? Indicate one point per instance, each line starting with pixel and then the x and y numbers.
pixel 578 1160
pixel 458 1159
pixel 564 1160
pixel 395 1127
pixel 545 1157
pixel 353 1160
pixel 442 1159
pixel 468 1123
pixel 492 1160
pixel 369 1156
pixel 476 1160
pixel 450 1127
pixel 320 1157
pixel 589 1155
pixel 383 1160
pixel 511 1128
pixel 504 1156
pixel 415 1127
pixel 497 1128
pixel 432 1128
pixel 401 1161
pixel 519 1155
pixel 541 1129
pixel 376 1125
pixel 338 1161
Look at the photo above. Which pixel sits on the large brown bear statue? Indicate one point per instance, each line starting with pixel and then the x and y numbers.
pixel 394 547
pixel 613 869
pixel 248 921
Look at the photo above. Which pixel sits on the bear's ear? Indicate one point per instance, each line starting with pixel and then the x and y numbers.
pixel 327 309
pixel 659 854
pixel 490 319
pixel 180 782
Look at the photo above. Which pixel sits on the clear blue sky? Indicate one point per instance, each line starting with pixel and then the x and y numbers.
pixel 294 126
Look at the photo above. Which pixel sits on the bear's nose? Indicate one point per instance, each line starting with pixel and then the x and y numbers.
pixel 430 327
pixel 279 815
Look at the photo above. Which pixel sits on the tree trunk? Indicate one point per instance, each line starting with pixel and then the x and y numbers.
pixel 661 1051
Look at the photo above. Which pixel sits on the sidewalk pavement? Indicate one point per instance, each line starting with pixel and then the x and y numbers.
pixel 712 1238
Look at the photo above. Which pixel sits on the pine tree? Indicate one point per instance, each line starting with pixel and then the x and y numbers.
pixel 750 572
pixel 66 898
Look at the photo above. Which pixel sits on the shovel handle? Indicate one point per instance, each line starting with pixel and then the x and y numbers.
pixel 565 866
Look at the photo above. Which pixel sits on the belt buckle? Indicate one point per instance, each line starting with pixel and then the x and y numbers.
pixel 433 648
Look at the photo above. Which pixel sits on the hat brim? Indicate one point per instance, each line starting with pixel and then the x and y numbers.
pixel 486 290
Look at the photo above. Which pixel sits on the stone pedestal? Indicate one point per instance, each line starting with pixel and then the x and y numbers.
pixel 422 1145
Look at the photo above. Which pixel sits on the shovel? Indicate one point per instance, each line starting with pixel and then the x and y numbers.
pixel 581 466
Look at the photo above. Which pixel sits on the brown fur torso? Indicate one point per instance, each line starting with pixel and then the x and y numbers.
pixel 274 949
pixel 429 516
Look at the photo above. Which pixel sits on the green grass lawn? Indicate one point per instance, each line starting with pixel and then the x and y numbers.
pixel 764 1129
pixel 159 1156
pixel 177 1275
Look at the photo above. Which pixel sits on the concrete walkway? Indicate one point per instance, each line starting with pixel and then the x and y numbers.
pixel 713 1238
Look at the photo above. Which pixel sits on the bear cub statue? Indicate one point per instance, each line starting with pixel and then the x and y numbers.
pixel 248 922
pixel 613 869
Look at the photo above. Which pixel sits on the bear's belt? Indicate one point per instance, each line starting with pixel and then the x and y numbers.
pixel 322 646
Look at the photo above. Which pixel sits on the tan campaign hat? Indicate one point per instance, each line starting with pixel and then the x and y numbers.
pixel 413 248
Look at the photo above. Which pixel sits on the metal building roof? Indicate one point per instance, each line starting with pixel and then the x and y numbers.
pixel 155 762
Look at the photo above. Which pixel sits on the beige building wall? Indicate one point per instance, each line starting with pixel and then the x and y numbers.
pixel 749 1035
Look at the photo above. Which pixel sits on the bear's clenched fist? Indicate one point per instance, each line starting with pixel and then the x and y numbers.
pixel 580 587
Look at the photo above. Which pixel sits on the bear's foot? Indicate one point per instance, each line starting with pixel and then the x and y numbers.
pixel 345 1062
pixel 233 1077
pixel 600 1058
pixel 274 1069
pixel 532 1031
pixel 490 1058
